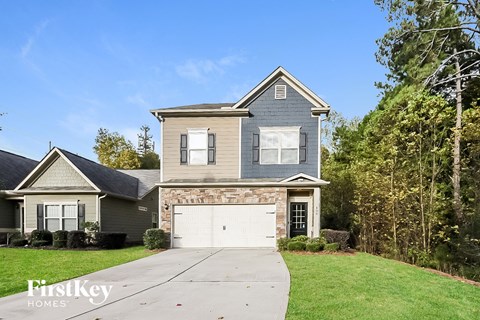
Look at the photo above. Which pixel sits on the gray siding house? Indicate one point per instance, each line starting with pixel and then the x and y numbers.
pixel 243 174
pixel 65 190
pixel 13 169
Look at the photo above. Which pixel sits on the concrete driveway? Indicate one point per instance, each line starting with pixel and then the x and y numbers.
pixel 176 284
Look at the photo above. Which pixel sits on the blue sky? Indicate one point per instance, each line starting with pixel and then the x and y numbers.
pixel 70 67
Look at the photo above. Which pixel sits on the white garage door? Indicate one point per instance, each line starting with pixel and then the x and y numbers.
pixel 224 226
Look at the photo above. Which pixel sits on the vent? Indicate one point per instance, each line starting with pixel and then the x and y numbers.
pixel 280 91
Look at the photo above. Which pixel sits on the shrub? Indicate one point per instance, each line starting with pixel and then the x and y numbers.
pixel 110 240
pixel 76 239
pixel 332 247
pixel 300 238
pixel 19 242
pixel 336 236
pixel 282 244
pixel 314 246
pixel 91 226
pixel 42 235
pixel 13 236
pixel 318 241
pixel 60 238
pixel 296 246
pixel 39 243
pixel 154 239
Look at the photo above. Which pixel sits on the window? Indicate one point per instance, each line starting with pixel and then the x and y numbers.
pixel 279 145
pixel 61 216
pixel 197 147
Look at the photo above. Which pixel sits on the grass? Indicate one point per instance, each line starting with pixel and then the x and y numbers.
pixel 363 286
pixel 19 265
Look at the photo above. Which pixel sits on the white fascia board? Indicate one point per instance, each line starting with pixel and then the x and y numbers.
pixel 291 81
pixel 36 169
pixel 78 171
pixel 304 176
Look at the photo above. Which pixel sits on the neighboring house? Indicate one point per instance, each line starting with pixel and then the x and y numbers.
pixel 13 169
pixel 243 174
pixel 65 190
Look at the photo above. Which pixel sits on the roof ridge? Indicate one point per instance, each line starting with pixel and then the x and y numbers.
pixel 17 155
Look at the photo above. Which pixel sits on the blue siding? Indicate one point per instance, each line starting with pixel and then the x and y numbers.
pixel 268 112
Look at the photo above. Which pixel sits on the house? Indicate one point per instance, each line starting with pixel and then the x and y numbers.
pixel 13 169
pixel 243 174
pixel 65 190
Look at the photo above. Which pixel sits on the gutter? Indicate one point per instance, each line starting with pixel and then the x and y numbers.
pixel 241 184
pixel 201 113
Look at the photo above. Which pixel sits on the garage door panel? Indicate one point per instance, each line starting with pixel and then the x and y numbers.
pixel 224 226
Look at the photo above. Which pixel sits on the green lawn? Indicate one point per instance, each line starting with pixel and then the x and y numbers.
pixel 363 286
pixel 19 265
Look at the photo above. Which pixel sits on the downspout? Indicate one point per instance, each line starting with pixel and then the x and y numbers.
pixel 99 211
pixel 161 120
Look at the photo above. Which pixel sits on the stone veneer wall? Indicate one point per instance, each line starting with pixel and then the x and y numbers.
pixel 182 196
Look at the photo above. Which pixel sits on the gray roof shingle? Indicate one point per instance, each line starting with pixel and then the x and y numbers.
pixel 13 169
pixel 147 178
pixel 106 179
pixel 212 106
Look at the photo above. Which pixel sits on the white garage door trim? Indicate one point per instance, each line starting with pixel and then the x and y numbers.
pixel 224 226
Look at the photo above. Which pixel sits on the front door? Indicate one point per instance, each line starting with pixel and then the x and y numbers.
pixel 298 218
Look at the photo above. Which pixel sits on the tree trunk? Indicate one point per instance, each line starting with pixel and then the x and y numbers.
pixel 457 201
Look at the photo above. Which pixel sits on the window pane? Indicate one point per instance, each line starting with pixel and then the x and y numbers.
pixel 52 211
pixel 269 140
pixel 269 156
pixel 198 157
pixel 52 224
pixel 197 140
pixel 289 155
pixel 69 224
pixel 70 211
pixel 289 139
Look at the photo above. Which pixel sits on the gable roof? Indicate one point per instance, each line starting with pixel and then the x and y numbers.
pixel 13 169
pixel 281 73
pixel 101 178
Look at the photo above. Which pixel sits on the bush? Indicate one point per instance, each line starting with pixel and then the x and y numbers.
pixel 39 243
pixel 42 235
pixel 336 236
pixel 300 238
pixel 282 244
pixel 332 247
pixel 296 246
pixel 76 239
pixel 60 238
pixel 110 240
pixel 19 242
pixel 314 247
pixel 154 239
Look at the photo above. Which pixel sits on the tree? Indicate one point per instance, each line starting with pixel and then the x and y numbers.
pixel 114 151
pixel 150 160
pixel 1 114
pixel 145 141
pixel 434 43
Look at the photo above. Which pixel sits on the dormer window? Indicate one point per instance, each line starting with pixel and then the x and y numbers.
pixel 280 91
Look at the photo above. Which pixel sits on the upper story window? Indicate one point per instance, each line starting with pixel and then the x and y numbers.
pixel 279 145
pixel 197 147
